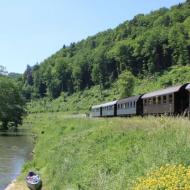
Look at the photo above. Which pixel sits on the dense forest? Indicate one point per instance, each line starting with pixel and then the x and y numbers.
pixel 143 46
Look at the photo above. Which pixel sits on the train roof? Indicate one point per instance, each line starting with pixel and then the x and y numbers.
pixel 109 103
pixel 188 87
pixel 162 92
pixel 105 104
pixel 129 99
pixel 96 106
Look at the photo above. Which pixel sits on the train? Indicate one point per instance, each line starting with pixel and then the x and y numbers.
pixel 173 100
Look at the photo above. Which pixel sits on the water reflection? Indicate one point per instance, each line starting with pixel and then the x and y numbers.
pixel 15 149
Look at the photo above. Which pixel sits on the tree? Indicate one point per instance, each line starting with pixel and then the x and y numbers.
pixel 28 78
pixel 126 83
pixel 3 70
pixel 178 39
pixel 11 103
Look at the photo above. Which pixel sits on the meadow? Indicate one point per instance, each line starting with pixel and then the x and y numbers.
pixel 116 153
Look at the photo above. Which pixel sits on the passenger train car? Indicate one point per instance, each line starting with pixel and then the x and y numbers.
pixel 188 89
pixel 130 106
pixel 170 101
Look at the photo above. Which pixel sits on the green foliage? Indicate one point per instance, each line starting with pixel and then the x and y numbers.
pixel 109 154
pixel 145 45
pixel 83 100
pixel 11 103
pixel 126 83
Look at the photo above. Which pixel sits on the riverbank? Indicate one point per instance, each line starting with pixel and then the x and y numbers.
pixel 107 153
pixel 15 185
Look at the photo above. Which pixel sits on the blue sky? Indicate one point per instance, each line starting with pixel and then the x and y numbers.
pixel 31 31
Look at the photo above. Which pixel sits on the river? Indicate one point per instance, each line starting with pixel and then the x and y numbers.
pixel 15 149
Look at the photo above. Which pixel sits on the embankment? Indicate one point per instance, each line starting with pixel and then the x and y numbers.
pixel 96 154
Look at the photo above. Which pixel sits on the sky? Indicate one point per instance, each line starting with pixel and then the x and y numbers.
pixel 31 31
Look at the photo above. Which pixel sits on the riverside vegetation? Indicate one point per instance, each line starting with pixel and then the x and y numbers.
pixel 115 153
pixel 147 53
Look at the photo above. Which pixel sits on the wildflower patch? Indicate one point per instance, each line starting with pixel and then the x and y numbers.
pixel 168 177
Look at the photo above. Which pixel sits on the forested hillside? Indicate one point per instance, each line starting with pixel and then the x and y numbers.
pixel 143 46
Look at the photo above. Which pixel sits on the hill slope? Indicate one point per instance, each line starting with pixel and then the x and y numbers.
pixel 145 45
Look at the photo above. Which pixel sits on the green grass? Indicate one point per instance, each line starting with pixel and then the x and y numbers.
pixel 104 154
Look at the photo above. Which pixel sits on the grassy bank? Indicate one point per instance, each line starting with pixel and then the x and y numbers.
pixel 96 154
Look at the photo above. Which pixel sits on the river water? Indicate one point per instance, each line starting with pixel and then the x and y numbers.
pixel 15 149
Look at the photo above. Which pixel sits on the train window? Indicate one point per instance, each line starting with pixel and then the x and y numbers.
pixel 121 106
pixel 134 104
pixel 145 102
pixel 154 100
pixel 164 99
pixel 125 105
pixel 118 106
pixel 159 99
pixel 131 104
pixel 150 101
pixel 170 98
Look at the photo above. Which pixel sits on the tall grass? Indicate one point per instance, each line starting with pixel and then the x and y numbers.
pixel 104 154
